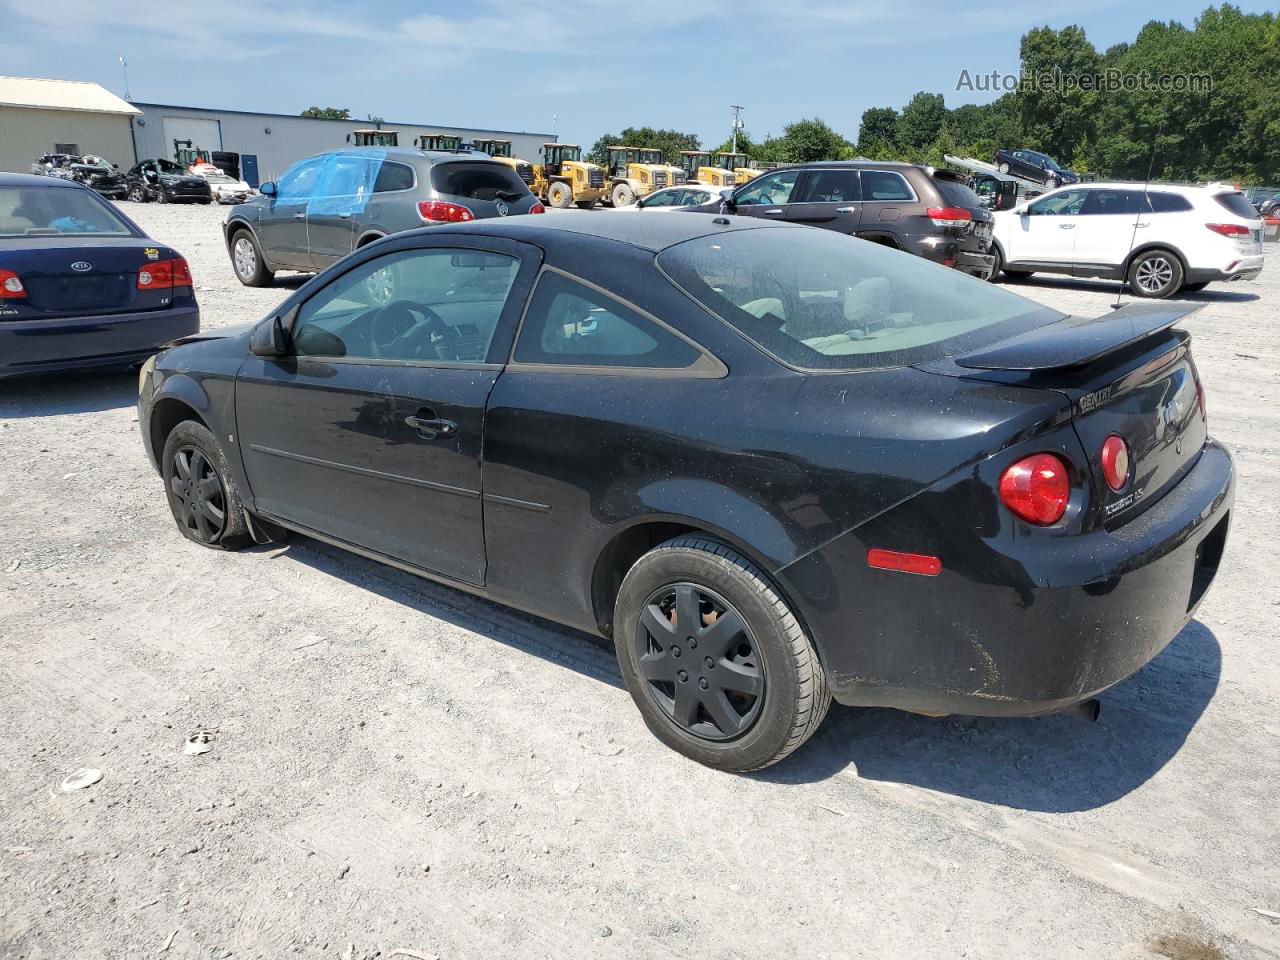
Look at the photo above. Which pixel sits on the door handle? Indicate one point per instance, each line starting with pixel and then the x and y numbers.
pixel 1136 225
pixel 299 216
pixel 774 212
pixel 1066 226
pixel 431 428
pixel 846 209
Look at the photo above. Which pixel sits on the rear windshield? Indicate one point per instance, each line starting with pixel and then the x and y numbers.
pixel 956 194
pixel 818 300
pixel 479 180
pixel 1237 204
pixel 57 211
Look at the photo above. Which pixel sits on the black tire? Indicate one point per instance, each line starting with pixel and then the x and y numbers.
pixel 1155 274
pixel 246 260
pixel 161 196
pixel 768 652
pixel 998 265
pixel 1194 287
pixel 1017 274
pixel 586 204
pixel 1052 183
pixel 201 491
pixel 137 194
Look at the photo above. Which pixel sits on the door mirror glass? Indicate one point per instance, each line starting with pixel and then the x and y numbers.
pixel 269 338
pixel 268 189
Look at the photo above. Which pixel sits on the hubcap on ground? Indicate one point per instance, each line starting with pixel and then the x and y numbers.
pixel 699 662
pixel 1155 274
pixel 198 498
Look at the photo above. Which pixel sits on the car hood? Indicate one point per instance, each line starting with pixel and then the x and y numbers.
pixel 185 179
pixel 218 333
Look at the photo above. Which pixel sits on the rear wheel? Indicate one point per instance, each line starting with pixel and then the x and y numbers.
pixel 246 260
pixel 202 494
pixel 715 660
pixel 622 195
pixel 1052 183
pixel 1004 168
pixel 1155 274
pixel 560 196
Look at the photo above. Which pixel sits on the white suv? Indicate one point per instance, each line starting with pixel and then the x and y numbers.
pixel 1160 238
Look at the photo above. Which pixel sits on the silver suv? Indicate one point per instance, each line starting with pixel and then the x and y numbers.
pixel 324 207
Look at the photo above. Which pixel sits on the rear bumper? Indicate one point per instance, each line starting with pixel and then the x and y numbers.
pixel 1033 626
pixel 1241 268
pixel 957 254
pixel 69 343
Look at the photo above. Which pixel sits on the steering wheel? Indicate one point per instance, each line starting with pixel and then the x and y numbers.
pixel 408 341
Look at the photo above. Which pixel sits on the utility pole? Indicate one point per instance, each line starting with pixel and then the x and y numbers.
pixel 737 124
pixel 124 66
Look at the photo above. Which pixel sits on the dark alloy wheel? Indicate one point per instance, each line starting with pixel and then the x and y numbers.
pixel 137 194
pixel 200 501
pixel 714 658
pixel 700 662
pixel 202 494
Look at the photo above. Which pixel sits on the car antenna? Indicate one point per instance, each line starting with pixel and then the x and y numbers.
pixel 1133 237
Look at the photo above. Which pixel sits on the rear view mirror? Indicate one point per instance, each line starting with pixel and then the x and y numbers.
pixel 269 338
pixel 478 259
pixel 268 189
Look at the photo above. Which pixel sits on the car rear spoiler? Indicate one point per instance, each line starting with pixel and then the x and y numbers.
pixel 1077 341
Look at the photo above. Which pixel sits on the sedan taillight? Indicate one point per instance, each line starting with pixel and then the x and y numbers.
pixel 164 275
pixel 1115 462
pixel 949 216
pixel 438 211
pixel 1037 489
pixel 11 287
pixel 537 208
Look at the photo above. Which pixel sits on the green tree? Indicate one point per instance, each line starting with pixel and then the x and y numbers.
pixel 327 113
pixel 1055 115
pixel 808 140
pixel 879 126
pixel 670 142
pixel 745 144
pixel 921 121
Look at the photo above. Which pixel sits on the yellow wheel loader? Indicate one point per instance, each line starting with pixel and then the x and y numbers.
pixel 699 169
pixel 563 178
pixel 500 150
pixel 736 162
pixel 445 142
pixel 374 138
pixel 635 172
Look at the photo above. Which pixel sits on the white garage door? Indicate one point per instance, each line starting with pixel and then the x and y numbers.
pixel 203 134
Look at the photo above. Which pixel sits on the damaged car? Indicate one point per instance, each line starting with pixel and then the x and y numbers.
pixel 93 171
pixel 166 182
pixel 226 189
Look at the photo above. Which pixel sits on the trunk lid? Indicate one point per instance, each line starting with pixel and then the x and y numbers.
pixel 955 192
pixel 1127 374
pixel 75 276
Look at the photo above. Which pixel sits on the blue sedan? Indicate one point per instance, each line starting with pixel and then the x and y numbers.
pixel 81 285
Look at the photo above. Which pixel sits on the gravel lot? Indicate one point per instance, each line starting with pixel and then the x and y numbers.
pixel 401 767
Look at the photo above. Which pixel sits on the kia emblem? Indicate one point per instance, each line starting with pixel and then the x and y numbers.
pixel 502 208
pixel 82 266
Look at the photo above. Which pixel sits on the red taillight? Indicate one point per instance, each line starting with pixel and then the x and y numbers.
pixel 439 211
pixel 164 274
pixel 537 208
pixel 919 563
pixel 1036 489
pixel 1229 229
pixel 949 216
pixel 1115 462
pixel 11 287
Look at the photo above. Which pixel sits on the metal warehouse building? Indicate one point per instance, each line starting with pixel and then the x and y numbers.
pixel 61 116
pixel 268 143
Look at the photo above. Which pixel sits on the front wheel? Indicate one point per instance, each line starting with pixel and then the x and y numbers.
pixel 1155 274
pixel 137 194
pixel 622 195
pixel 713 657
pixel 560 196
pixel 161 196
pixel 202 493
pixel 1004 168
pixel 1052 183
pixel 246 259
pixel 997 266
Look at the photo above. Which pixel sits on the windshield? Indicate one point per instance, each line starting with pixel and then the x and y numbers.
pixel 818 301
pixel 570 153
pixel 51 211
pixel 168 166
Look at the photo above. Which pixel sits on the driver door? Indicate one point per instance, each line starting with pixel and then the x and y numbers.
pixel 1046 231
pixel 370 432
pixel 767 196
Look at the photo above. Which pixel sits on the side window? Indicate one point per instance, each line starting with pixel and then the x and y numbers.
pixel 392 177
pixel 775 188
pixel 1061 204
pixel 663 198
pixel 344 185
pixel 569 323
pixel 1168 203
pixel 299 182
pixel 883 185
pixel 1105 202
pixel 831 186
pixel 426 305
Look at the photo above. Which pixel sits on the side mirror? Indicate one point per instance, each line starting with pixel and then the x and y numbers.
pixel 728 204
pixel 268 189
pixel 269 338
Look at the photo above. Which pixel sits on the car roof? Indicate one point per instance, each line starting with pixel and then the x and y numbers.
pixel 32 180
pixel 649 233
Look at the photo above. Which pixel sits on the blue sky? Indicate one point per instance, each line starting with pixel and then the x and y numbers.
pixel 577 68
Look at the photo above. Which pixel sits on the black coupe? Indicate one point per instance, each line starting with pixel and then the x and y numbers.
pixel 774 465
